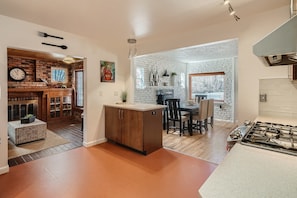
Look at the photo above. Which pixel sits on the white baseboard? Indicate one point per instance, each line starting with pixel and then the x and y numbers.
pixel 93 143
pixel 4 169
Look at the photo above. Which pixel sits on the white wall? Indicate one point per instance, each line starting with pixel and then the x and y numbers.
pixel 249 69
pixel 20 34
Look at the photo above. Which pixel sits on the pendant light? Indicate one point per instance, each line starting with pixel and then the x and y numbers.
pixel 132 48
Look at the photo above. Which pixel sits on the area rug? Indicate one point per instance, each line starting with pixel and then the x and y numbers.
pixel 51 140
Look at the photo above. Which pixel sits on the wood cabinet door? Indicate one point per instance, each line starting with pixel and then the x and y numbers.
pixel 59 104
pixel 132 129
pixel 152 130
pixel 113 127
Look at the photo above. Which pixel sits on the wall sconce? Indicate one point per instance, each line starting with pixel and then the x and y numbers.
pixel 132 48
pixel 231 10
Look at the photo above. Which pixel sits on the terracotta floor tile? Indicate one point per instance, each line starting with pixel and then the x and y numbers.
pixel 107 170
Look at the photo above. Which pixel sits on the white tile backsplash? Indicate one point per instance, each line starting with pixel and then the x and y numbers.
pixel 281 98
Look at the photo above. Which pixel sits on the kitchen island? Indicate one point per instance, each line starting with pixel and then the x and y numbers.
pixel 138 126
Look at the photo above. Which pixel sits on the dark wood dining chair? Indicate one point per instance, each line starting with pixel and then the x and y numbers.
pixel 200 119
pixel 200 97
pixel 174 115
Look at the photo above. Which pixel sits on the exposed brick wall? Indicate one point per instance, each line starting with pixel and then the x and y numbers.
pixel 37 70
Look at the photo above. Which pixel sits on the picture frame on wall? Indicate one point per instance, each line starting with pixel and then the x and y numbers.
pixel 107 71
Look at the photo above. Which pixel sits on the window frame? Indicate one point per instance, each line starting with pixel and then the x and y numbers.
pixel 205 74
pixel 63 70
pixel 75 85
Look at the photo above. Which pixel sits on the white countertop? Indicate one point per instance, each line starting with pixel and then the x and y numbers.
pixel 137 106
pixel 252 172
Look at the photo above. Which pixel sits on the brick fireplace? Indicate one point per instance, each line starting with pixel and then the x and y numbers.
pixel 23 101
pixel 20 107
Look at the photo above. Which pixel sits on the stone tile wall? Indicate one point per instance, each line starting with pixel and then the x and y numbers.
pixel 147 94
pixel 149 63
pixel 222 111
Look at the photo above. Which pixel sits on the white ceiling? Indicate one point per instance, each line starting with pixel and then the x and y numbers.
pixel 111 22
pixel 209 51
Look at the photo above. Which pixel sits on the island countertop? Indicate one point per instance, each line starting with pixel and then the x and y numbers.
pixel 252 172
pixel 137 106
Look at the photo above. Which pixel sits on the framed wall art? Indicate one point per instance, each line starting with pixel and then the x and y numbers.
pixel 107 71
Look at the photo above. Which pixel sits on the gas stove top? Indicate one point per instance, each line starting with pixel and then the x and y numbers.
pixel 272 136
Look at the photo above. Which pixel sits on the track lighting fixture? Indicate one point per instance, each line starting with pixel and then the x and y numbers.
pixel 231 10
pixel 226 2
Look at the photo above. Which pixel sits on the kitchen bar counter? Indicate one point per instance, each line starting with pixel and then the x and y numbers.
pixel 136 106
pixel 253 172
pixel 138 126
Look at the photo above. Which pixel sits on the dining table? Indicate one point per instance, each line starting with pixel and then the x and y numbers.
pixel 191 109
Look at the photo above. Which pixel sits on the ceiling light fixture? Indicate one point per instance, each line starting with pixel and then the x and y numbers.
pixel 68 60
pixel 231 10
pixel 132 47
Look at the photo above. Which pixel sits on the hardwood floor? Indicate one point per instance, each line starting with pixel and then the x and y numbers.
pixel 209 146
pixel 107 170
pixel 69 130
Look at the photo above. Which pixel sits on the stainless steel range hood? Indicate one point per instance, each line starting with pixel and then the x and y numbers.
pixel 280 46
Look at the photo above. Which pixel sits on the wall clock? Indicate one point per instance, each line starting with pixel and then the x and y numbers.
pixel 17 74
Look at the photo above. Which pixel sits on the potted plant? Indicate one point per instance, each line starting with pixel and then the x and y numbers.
pixel 28 119
pixel 173 74
pixel 124 96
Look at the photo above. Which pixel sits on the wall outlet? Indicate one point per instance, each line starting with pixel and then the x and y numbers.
pixel 263 98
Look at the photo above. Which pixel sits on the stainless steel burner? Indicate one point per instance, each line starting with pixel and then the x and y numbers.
pixel 272 136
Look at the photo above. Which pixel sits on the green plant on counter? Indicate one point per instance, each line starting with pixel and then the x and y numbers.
pixel 124 96
pixel 173 74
